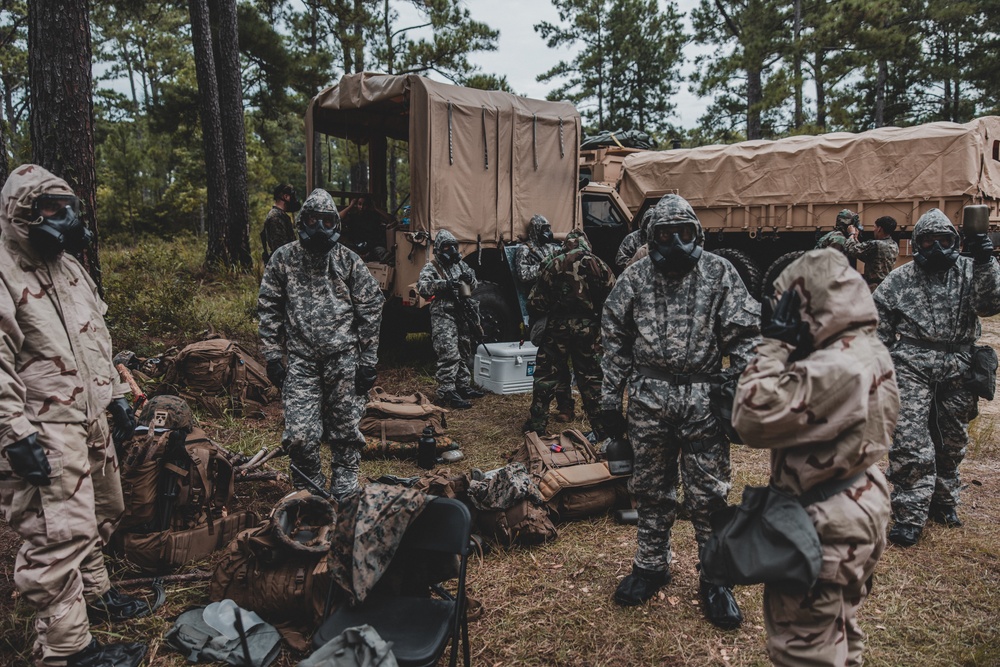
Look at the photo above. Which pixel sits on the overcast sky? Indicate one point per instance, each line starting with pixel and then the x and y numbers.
pixel 522 54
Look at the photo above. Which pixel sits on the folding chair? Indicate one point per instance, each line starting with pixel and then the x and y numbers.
pixel 419 628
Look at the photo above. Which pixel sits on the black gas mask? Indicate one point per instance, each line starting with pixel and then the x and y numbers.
pixel 449 254
pixel 673 248
pixel 57 226
pixel 319 231
pixel 545 236
pixel 936 252
pixel 293 204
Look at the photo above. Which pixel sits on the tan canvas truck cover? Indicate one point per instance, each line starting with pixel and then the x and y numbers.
pixel 925 163
pixel 481 162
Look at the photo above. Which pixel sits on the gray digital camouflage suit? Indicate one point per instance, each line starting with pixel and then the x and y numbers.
pixel 683 326
pixel 632 242
pixel 932 433
pixel 527 265
pixel 450 330
pixel 323 310
pixel 829 416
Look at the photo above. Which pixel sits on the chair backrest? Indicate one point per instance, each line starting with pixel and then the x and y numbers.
pixel 444 525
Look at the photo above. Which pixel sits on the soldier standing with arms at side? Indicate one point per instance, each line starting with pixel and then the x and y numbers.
pixel 59 484
pixel 319 304
pixel 667 323
pixel 879 254
pixel 821 395
pixel 528 262
pixel 278 229
pixel 929 314
pixel 571 289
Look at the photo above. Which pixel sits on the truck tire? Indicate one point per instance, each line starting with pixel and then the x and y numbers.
pixel 498 317
pixel 773 271
pixel 745 266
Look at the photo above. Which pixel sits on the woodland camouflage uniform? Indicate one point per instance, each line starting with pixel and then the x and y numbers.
pixel 278 229
pixel 632 242
pixel 654 323
pixel 920 310
pixel 829 416
pixel 878 255
pixel 837 239
pixel 56 380
pixel 451 332
pixel 527 264
pixel 323 310
pixel 571 290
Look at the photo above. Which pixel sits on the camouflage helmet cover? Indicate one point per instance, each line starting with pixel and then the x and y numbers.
pixel 171 412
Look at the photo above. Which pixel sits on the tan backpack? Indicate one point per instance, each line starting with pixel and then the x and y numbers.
pixel 219 375
pixel 573 481
pixel 392 418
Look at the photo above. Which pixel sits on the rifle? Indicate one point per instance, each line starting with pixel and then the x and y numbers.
pixel 175 463
pixel 317 489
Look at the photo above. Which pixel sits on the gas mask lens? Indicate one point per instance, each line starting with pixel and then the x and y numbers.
pixel 665 233
pixel 55 206
pixel 946 241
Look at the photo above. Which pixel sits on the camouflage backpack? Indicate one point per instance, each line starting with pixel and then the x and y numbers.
pixel 392 418
pixel 219 375
pixel 177 485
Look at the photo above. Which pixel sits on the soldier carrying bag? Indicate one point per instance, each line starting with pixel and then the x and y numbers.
pixel 768 538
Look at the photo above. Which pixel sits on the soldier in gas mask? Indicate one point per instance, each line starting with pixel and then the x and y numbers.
pixel 667 323
pixel 541 246
pixel 632 242
pixel 278 229
pixel 319 305
pixel 59 484
pixel 929 314
pixel 841 230
pixel 448 282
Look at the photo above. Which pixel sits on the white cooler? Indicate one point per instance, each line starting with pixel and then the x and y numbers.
pixel 505 368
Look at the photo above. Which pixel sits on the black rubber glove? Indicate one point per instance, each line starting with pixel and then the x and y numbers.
pixel 364 379
pixel 782 321
pixel 122 421
pixel 28 461
pixel 613 424
pixel 980 247
pixel 276 373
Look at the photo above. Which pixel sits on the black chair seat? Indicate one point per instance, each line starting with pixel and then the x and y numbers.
pixel 417 628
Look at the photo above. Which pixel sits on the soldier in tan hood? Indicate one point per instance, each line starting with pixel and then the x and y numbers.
pixel 59 485
pixel 821 394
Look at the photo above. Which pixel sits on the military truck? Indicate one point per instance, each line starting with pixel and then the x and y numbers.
pixel 764 202
pixel 481 164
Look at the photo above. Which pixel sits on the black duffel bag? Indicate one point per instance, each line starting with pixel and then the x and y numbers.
pixel 768 538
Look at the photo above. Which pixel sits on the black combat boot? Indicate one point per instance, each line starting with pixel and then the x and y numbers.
pixel 470 392
pixel 640 586
pixel 128 654
pixel 945 515
pixel 453 399
pixel 719 606
pixel 117 606
pixel 905 534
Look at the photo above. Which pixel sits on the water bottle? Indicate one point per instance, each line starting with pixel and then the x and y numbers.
pixel 427 449
pixel 620 457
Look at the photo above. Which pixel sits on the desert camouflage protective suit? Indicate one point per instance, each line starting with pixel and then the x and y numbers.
pixel 879 256
pixel 681 326
pixel 570 290
pixel 323 310
pixel 450 330
pixel 527 264
pixel 825 417
pixel 939 309
pixel 56 380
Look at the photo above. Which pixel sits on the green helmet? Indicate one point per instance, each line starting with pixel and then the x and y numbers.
pixel 165 411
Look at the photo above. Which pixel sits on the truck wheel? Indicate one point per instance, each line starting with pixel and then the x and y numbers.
pixel 773 271
pixel 745 266
pixel 498 318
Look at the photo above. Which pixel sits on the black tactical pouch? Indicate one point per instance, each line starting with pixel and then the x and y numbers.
pixel 982 376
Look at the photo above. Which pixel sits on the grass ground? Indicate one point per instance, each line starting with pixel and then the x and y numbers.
pixel 935 604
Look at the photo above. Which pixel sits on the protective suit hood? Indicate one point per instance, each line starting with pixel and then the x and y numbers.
pixel 576 239
pixel 933 222
pixel 318 201
pixel 443 238
pixel 19 192
pixel 536 226
pixel 835 298
pixel 674 210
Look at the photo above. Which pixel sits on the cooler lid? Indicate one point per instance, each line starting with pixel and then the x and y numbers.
pixel 507 350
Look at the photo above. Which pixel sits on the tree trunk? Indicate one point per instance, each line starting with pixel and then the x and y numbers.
pixel 217 227
pixel 820 90
pixel 754 98
pixel 799 119
pixel 4 171
pixel 880 79
pixel 227 67
pixel 62 111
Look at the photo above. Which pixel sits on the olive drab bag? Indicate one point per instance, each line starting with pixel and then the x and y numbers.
pixel 177 486
pixel 392 418
pixel 278 569
pixel 219 375
pixel 573 481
